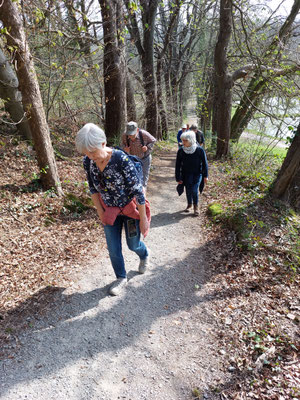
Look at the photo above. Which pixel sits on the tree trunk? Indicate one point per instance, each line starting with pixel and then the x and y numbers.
pixel 163 132
pixel 31 96
pixel 206 108
pixel 206 81
pixel 287 184
pixel 150 92
pixel 147 59
pixel 223 80
pixel 130 100
pixel 146 53
pixel 12 98
pixel 167 81
pixel 114 66
pixel 247 107
pixel 169 28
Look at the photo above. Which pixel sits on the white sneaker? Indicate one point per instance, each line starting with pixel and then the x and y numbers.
pixel 117 286
pixel 144 264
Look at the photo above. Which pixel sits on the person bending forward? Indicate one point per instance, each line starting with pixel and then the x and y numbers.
pixel 118 196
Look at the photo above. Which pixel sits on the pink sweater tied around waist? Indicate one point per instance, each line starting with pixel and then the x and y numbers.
pixel 130 210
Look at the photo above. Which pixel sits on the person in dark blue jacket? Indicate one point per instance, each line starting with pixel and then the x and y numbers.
pixel 191 168
pixel 180 132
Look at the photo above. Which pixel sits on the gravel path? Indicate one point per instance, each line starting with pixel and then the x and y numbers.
pixel 155 341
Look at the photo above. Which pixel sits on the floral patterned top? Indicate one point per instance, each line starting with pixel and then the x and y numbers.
pixel 119 182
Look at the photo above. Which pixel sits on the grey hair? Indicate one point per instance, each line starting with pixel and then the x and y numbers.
pixel 190 136
pixel 89 137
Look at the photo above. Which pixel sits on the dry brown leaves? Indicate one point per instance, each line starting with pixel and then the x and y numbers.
pixel 42 243
pixel 254 296
pixel 256 301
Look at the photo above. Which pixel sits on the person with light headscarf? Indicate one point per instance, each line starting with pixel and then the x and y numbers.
pixel 191 168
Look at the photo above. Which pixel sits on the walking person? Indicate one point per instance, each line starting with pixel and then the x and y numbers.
pixel 180 132
pixel 118 195
pixel 138 142
pixel 191 168
pixel 199 135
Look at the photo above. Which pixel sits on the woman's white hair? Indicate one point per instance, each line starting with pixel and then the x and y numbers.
pixel 89 137
pixel 190 136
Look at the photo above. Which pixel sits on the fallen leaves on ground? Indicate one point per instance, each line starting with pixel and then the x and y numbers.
pixel 255 298
pixel 254 295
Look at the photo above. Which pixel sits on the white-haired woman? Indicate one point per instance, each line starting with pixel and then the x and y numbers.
pixel 191 168
pixel 118 195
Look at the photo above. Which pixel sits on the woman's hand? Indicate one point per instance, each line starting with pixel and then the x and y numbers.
pixel 101 216
pixel 144 148
pixel 144 223
pixel 99 208
pixel 144 226
pixel 180 182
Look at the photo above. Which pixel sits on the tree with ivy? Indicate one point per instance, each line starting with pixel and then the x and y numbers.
pixel 10 94
pixel 223 80
pixel 17 45
pixel 114 68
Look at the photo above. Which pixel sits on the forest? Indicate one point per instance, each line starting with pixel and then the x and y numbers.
pixel 231 66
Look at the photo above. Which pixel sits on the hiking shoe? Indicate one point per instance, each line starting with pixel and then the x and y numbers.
pixel 144 264
pixel 196 210
pixel 117 286
pixel 188 208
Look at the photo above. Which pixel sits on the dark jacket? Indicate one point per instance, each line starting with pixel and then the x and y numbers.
pixel 191 166
pixel 200 137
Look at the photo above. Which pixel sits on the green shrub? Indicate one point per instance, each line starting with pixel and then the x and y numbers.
pixel 215 209
pixel 76 204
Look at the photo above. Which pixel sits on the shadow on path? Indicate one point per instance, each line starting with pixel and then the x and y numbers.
pixel 163 219
pixel 73 327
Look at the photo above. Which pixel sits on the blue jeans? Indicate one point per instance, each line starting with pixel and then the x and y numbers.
pixel 192 191
pixel 113 235
pixel 146 164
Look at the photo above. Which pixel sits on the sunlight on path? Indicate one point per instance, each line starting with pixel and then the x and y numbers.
pixel 191 112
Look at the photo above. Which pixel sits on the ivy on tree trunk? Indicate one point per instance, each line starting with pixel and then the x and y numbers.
pixel 31 96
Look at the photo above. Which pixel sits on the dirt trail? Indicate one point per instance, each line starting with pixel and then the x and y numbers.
pixel 191 112
pixel 155 341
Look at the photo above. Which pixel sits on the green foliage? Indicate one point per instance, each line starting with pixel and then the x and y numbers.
pixel 292 223
pixel 266 338
pixel 76 205
pixel 196 393
pixel 133 6
pixel 165 145
pixel 38 14
pixel 214 209
pixel 252 214
pixel 256 155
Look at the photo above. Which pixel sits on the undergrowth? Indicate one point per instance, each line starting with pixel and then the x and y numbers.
pixel 257 276
pixel 252 214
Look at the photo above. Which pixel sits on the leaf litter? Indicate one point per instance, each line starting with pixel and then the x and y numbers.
pixel 44 244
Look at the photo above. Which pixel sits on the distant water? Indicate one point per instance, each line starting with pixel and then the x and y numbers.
pixel 275 128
